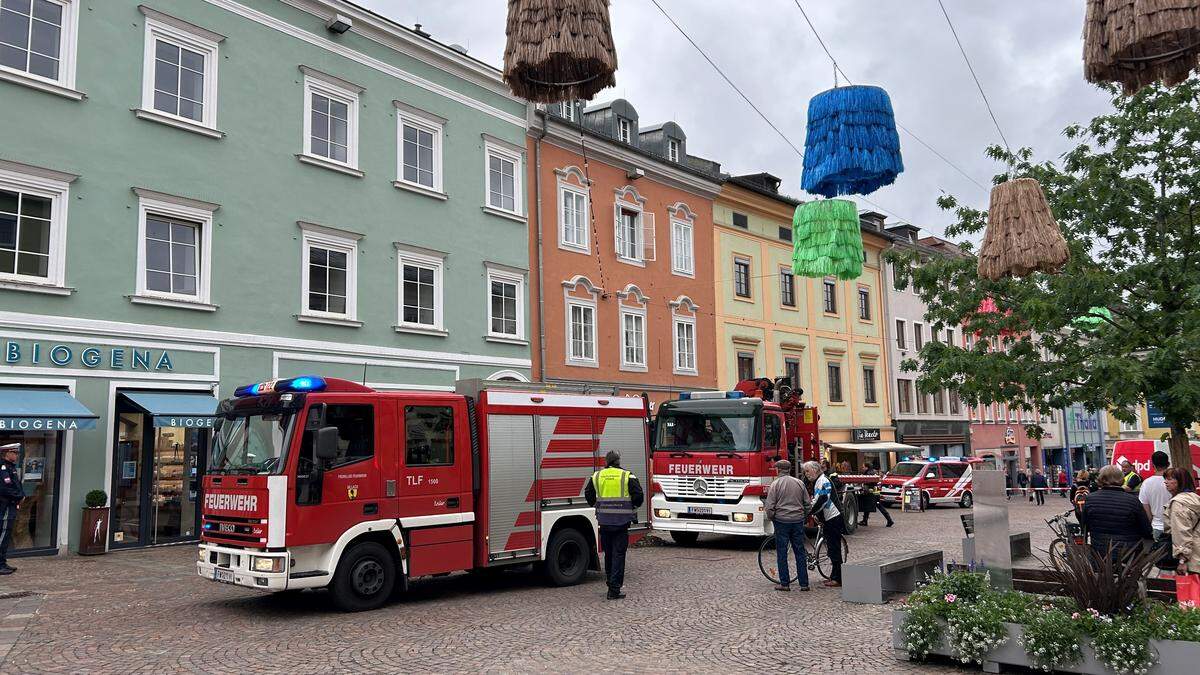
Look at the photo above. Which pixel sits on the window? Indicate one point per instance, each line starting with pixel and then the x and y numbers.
pixel 918 336
pixel 970 341
pixel 950 337
pixel 685 346
pixel 581 334
pixel 506 304
pixel 745 366
pixel 939 402
pixel 174 249
pixel 37 37
pixel 180 73
pixel 573 220
pixel 787 288
pixel 901 338
pixel 741 220
pixel 503 179
pixel 830 296
pixel 420 291
pixel 682 257
pixel 741 278
pixel 951 470
pixel 922 403
pixel 897 281
pixel 566 110
pixel 428 435
pixel 420 154
pixel 869 384
pixel 771 431
pixel 633 340
pixel 955 402
pixel 633 229
pixel 356 433
pixel 904 394
pixel 792 367
pixel 673 150
pixel 864 304
pixel 628 235
pixel 785 233
pixel 330 274
pixel 1136 425
pixel 834 371
pixel 624 130
pixel 32 229
pixel 330 118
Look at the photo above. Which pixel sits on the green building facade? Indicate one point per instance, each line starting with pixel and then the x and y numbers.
pixel 198 194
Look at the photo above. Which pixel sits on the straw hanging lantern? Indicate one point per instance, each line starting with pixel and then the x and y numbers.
pixel 559 50
pixel 852 146
pixel 1138 42
pixel 1022 236
pixel 828 240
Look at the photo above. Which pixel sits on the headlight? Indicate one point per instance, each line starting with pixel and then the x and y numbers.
pixel 743 517
pixel 202 553
pixel 268 564
pixel 662 513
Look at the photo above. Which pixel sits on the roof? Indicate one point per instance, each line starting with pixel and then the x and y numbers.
pixel 752 185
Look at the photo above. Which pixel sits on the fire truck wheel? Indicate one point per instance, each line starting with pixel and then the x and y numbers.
pixel 850 517
pixel 685 538
pixel 364 579
pixel 566 557
pixel 966 501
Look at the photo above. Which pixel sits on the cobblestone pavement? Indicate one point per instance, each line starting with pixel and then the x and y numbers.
pixel 701 609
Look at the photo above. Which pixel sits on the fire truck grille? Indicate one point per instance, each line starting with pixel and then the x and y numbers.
pixel 714 488
pixel 241 530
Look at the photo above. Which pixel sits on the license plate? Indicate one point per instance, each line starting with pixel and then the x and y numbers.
pixel 700 510
pixel 225 576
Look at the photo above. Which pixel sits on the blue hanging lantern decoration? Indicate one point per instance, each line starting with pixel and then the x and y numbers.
pixel 852 146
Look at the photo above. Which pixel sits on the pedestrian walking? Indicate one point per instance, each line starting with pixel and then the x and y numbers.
pixel 872 502
pixel 787 509
pixel 1023 483
pixel 1039 486
pixel 826 508
pixel 1154 495
pixel 1183 519
pixel 1062 482
pixel 11 496
pixel 1008 486
pixel 616 494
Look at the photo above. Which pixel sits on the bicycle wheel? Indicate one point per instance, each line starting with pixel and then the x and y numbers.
pixel 824 566
pixel 1058 549
pixel 767 560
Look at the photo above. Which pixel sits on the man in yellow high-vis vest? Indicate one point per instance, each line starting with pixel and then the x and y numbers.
pixel 616 494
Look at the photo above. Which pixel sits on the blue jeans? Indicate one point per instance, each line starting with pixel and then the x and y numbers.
pixel 793 533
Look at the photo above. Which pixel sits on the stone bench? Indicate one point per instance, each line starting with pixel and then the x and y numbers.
pixel 1019 545
pixel 871 581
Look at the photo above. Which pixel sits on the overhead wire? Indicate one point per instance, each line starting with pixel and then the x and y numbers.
pixel 975 77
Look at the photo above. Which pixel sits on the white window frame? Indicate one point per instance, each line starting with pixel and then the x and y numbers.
pixel 626 364
pixel 406 256
pixel 68 43
pixel 59 194
pixel 510 155
pixel 672 150
pixel 677 368
pixel 580 247
pixel 510 277
pixel 572 359
pixel 175 34
pixel 409 116
pixel 332 91
pixel 639 227
pixel 566 110
pixel 624 130
pixel 688 268
pixel 204 218
pixel 1137 422
pixel 329 239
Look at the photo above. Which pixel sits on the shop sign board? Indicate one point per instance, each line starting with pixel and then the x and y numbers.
pixel 185 421
pixel 1156 418
pixel 865 435
pixel 65 354
pixel 46 423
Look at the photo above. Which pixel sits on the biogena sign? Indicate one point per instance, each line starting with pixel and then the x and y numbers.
pixel 61 355
pixel 229 502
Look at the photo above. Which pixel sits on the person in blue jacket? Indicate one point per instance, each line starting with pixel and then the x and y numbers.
pixel 11 495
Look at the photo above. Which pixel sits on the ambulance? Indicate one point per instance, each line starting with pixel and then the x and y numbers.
pixel 941 480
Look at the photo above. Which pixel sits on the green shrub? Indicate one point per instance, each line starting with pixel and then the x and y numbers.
pixel 96 498
pixel 1051 639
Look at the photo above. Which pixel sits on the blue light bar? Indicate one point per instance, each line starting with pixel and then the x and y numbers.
pixel 685 396
pixel 734 394
pixel 295 384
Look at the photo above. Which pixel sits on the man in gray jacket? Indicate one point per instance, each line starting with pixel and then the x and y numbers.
pixel 787 509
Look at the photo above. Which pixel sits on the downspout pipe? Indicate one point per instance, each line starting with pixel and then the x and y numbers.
pixel 541 297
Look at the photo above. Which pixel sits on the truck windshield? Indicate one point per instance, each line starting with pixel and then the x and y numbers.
pixel 251 443
pixel 906 469
pixel 707 432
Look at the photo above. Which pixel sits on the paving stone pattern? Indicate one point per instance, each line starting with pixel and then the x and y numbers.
pixel 701 609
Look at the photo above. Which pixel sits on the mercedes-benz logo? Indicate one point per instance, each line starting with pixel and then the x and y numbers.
pixel 700 486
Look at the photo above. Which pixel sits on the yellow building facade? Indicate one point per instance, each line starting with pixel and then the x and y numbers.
pixel 827 333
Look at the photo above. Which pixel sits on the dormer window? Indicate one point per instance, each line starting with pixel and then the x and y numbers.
pixel 673 150
pixel 624 130
pixel 567 110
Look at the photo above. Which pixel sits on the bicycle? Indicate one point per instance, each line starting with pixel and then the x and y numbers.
pixel 815 552
pixel 1067 533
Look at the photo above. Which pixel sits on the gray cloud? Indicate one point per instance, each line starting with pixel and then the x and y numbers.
pixel 1026 53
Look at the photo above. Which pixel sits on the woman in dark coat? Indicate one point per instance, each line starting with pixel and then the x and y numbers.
pixel 1114 518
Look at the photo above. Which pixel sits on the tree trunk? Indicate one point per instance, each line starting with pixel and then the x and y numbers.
pixel 1181 452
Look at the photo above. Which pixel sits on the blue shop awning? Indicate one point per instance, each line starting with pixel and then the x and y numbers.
pixel 28 409
pixel 176 409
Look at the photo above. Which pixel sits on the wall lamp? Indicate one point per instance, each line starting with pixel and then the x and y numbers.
pixel 339 24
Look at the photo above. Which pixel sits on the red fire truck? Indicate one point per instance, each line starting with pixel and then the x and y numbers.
pixel 320 482
pixel 714 456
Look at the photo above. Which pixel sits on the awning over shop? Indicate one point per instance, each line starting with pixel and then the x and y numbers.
pixel 882 446
pixel 28 409
pixel 175 409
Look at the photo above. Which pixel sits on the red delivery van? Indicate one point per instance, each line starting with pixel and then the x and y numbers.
pixel 1138 453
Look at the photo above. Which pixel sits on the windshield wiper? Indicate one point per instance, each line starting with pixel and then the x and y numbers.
pixel 729 454
pixel 680 453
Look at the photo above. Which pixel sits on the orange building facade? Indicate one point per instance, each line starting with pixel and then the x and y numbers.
pixel 621 249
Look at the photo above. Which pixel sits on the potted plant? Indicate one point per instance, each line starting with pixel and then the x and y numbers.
pixel 93 532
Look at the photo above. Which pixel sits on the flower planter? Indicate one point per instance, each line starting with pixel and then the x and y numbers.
pixel 93 531
pixel 1174 656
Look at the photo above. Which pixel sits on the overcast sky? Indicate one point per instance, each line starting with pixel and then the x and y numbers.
pixel 1027 54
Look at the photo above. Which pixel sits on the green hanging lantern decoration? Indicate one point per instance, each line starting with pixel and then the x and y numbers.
pixel 1094 317
pixel 827 240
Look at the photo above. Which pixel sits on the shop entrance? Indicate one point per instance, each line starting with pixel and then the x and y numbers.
pixel 157 464
pixel 37 520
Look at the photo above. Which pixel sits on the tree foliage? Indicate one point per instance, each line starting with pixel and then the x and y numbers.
pixel 1126 198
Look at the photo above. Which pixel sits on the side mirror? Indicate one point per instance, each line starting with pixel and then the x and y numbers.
pixel 217 424
pixel 326 443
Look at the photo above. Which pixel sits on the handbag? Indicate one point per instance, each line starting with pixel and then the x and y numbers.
pixel 1187 590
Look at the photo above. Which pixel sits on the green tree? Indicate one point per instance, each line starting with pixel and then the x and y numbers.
pixel 1120 326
